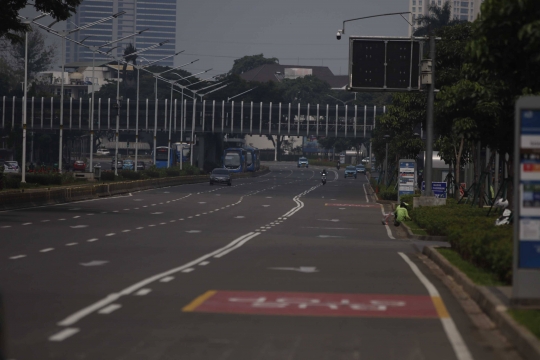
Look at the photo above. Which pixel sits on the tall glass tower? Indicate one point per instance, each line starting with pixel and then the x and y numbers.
pixel 157 15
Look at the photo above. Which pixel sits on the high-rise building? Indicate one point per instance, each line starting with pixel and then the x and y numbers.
pixel 460 10
pixel 159 16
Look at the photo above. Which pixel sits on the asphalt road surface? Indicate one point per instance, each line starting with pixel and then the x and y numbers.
pixel 274 267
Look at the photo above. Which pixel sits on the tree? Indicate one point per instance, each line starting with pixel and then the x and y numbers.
pixel 247 63
pixel 437 18
pixel 505 53
pixel 307 89
pixel 11 26
pixel 130 49
pixel 8 80
pixel 40 57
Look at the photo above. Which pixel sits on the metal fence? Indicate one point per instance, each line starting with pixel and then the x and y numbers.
pixel 206 116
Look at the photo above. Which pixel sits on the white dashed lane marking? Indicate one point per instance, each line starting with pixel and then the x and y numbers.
pixel 109 309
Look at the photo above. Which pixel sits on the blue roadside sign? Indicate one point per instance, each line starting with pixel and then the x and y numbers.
pixel 437 188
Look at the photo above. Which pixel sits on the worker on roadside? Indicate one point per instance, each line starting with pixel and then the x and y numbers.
pixel 400 214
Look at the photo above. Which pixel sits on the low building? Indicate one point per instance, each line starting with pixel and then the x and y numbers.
pixel 79 78
pixel 278 72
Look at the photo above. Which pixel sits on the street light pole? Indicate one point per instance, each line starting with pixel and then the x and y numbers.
pixel 386 137
pixel 428 176
pixel 23 163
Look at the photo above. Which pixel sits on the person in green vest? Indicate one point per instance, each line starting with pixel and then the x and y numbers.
pixel 401 213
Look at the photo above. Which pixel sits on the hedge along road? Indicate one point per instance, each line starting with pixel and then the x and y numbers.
pixel 179 276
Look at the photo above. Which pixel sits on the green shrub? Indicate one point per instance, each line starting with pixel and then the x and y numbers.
pixel 130 175
pixel 107 176
pixel 12 182
pixel 173 171
pixel 472 234
pixel 152 172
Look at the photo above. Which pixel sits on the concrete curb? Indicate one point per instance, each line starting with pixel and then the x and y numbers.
pixel 24 199
pixel 525 342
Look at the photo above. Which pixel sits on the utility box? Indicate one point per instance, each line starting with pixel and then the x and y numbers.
pixel 426 75
pixel 97 172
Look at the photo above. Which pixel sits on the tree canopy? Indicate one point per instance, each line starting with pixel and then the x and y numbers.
pixel 11 26
pixel 247 63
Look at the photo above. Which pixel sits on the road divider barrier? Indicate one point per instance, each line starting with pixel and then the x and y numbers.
pixel 38 197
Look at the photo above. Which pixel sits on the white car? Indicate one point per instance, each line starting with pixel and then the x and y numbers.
pixel 11 167
pixel 102 152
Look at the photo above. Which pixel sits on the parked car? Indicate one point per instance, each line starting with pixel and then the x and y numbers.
pixel 79 165
pixel 102 152
pixel 119 164
pixel 220 175
pixel 11 167
pixel 360 169
pixel 350 171
pixel 140 165
pixel 128 165
pixel 303 162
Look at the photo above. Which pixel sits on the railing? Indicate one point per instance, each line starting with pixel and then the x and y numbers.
pixel 207 116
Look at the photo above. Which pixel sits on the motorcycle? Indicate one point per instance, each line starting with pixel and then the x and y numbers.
pixel 507 217
pixel 323 179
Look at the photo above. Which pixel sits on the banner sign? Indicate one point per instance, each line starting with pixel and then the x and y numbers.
pixel 526 270
pixel 407 177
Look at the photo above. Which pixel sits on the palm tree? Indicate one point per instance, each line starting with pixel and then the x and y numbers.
pixel 130 49
pixel 438 17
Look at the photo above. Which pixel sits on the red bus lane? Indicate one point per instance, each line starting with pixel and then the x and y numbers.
pixel 314 304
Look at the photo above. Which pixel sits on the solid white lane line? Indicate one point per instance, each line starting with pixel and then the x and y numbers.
pixel 143 292
pixel 92 240
pixel 17 257
pixel 456 340
pixel 109 309
pixel 71 244
pixel 388 231
pixel 167 279
pixel 188 270
pixel 365 192
pixel 46 250
pixel 64 334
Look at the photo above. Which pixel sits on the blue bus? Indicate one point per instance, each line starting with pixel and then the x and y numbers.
pixel 253 159
pixel 234 159
pixel 162 156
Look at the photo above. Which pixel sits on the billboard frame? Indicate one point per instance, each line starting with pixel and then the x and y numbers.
pixel 412 40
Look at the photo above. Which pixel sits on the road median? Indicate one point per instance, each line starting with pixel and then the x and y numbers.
pixel 50 196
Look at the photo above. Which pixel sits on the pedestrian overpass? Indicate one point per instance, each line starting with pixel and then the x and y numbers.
pixel 198 117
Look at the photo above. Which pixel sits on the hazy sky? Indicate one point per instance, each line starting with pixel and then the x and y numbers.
pixel 294 31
